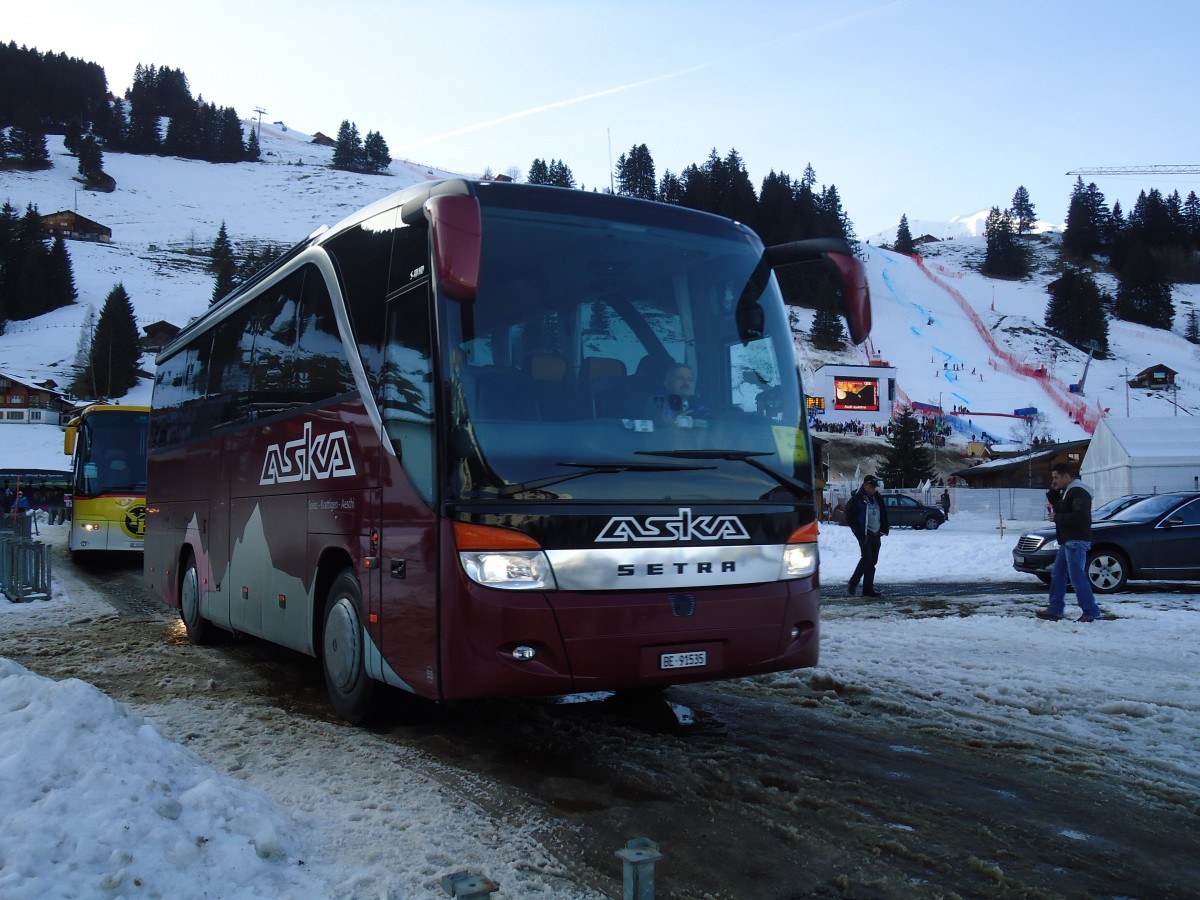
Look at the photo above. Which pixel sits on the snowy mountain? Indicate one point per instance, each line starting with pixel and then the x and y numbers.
pixel 932 316
pixel 957 227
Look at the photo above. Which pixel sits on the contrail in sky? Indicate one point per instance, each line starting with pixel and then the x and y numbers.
pixel 525 113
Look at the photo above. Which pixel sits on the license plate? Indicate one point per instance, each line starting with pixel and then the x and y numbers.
pixel 683 660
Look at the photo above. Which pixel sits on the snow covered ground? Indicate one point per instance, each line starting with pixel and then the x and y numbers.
pixel 94 801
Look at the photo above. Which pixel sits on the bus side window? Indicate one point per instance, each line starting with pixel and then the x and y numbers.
pixel 406 391
pixel 321 368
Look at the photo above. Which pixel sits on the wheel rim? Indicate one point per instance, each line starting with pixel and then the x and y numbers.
pixel 342 646
pixel 189 597
pixel 1106 572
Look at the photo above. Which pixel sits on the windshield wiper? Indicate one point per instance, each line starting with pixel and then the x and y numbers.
pixel 805 491
pixel 510 490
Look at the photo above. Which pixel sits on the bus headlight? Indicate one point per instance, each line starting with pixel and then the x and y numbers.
pixel 799 560
pixel 513 570
pixel 91 526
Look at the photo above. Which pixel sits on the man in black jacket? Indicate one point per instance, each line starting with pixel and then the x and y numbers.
pixel 1071 508
pixel 867 518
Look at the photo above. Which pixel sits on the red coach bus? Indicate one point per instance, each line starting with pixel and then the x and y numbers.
pixel 486 439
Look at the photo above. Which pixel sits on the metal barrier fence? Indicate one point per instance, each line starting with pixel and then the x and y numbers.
pixel 24 569
pixel 993 504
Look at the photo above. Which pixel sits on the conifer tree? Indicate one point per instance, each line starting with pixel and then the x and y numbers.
pixel 1005 257
pixel 560 174
pixel 1088 224
pixel 1143 293
pixel 376 155
pixel 1191 218
pixel 904 238
pixel 1023 211
pixel 828 332
pixel 1076 310
pixel 230 146
pixel 91 158
pixel 907 461
pixel 223 266
pixel 670 189
pixel 253 150
pixel 116 351
pixel 1192 330
pixel 25 267
pixel 9 228
pixel 60 279
pixel 348 149
pixel 27 140
pixel 142 135
pixel 539 172
pixel 635 173
pixel 834 222
pixel 776 210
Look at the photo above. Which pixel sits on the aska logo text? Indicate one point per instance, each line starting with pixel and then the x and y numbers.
pixel 310 456
pixel 681 527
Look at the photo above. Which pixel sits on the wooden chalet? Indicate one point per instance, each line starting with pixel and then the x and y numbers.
pixel 26 403
pixel 1154 378
pixel 72 226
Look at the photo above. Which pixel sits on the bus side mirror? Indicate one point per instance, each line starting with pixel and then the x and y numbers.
pixel 69 439
pixel 835 253
pixel 454 223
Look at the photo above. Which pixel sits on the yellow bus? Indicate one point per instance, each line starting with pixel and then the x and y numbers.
pixel 107 445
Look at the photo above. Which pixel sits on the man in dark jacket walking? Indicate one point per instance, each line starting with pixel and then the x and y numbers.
pixel 867 518
pixel 1071 508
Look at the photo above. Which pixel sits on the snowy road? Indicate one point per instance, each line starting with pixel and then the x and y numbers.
pixel 783 786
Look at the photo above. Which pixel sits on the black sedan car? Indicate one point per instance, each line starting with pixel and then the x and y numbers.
pixel 903 510
pixel 1112 507
pixel 1157 538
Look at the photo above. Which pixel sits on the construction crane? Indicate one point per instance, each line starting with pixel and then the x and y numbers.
pixel 1139 170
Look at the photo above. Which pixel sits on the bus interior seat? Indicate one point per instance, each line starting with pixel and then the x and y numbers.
pixel 591 370
pixel 602 382
pixel 553 389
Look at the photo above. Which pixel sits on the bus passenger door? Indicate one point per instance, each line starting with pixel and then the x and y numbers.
pixel 408 550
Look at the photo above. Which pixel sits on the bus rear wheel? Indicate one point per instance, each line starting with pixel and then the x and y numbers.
pixel 343 651
pixel 199 629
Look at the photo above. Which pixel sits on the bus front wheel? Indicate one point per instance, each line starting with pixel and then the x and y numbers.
pixel 343 651
pixel 199 629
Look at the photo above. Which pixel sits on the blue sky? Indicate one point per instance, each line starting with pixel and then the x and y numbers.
pixel 932 108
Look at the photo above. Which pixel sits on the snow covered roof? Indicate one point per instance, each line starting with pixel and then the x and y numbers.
pixel 1167 439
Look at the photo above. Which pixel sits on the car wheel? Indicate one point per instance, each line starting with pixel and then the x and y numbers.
pixel 932 523
pixel 1107 570
pixel 199 629
pixel 1043 577
pixel 343 651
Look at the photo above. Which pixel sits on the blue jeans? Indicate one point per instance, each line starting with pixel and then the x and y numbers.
pixel 1071 561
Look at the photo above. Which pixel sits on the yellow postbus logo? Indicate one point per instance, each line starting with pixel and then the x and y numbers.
pixel 134 522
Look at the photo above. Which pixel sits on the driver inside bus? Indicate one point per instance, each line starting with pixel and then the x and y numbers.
pixel 679 406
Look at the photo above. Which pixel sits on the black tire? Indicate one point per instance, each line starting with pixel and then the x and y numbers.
pixel 343 651
pixel 932 523
pixel 1107 570
pixel 199 629
pixel 1043 577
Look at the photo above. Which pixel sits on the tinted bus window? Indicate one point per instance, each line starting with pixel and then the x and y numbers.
pixel 373 259
pixel 320 365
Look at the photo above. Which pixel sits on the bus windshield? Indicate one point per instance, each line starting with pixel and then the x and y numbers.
pixel 111 453
pixel 615 358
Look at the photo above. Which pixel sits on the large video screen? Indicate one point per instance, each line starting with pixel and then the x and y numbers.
pixel 856 394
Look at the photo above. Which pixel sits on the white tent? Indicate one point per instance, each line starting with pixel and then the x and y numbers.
pixel 1136 456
